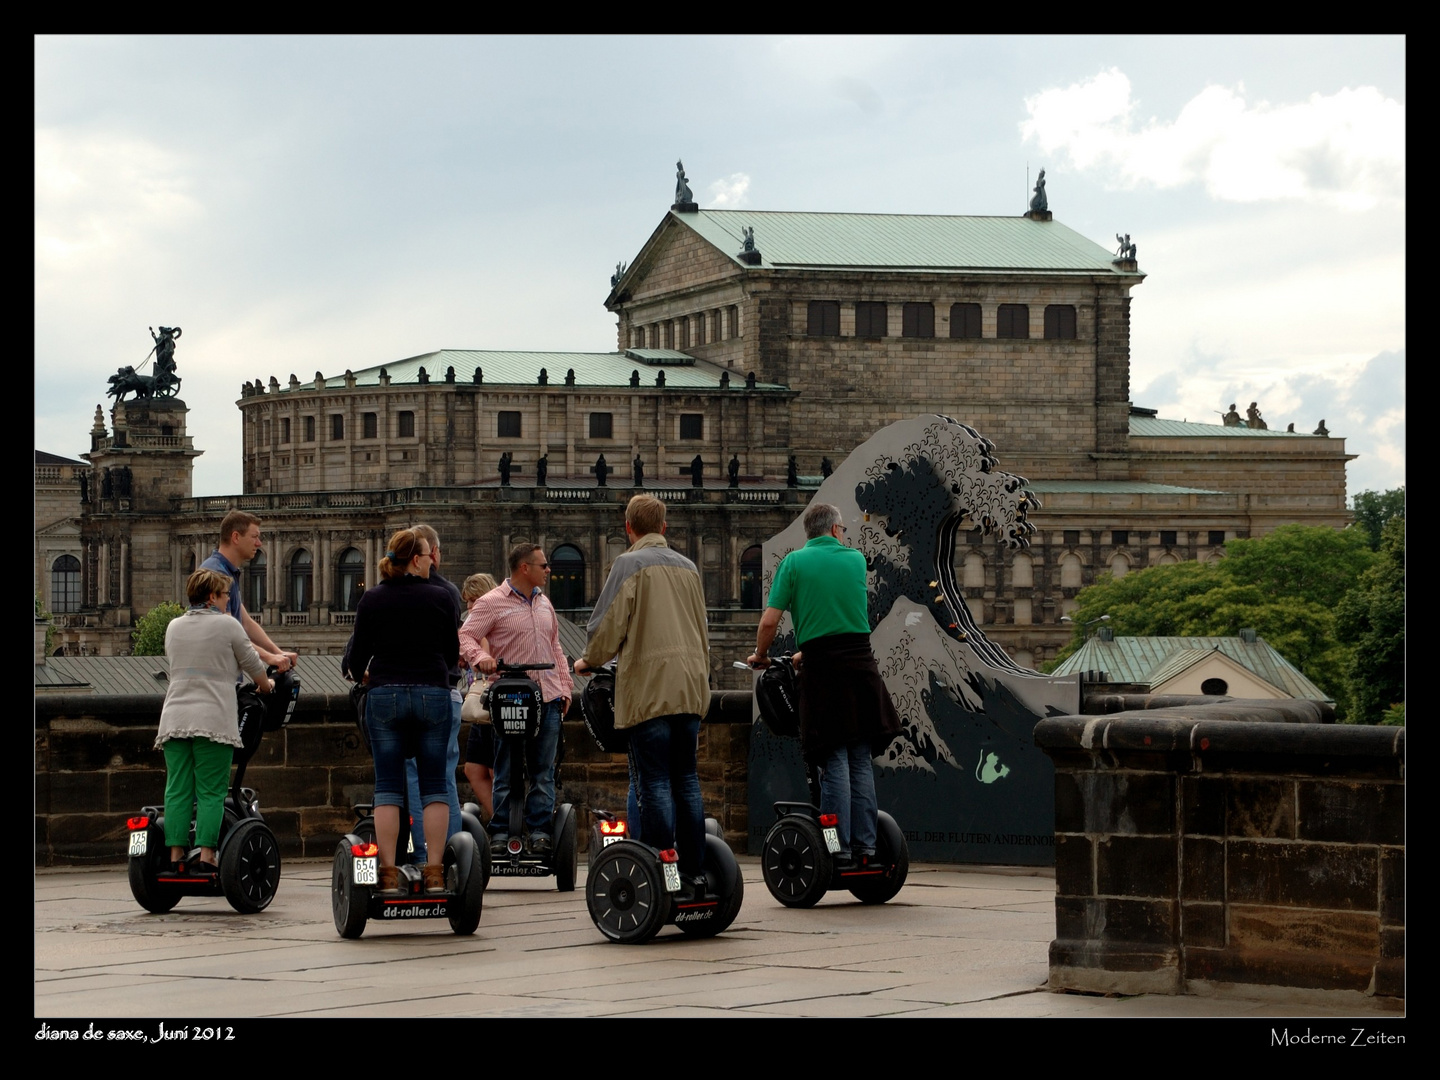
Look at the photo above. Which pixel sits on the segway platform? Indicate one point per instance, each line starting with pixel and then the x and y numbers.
pixel 355 898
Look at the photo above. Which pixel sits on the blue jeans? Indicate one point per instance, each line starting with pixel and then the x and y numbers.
pixel 847 790
pixel 408 721
pixel 663 753
pixel 540 764
pixel 452 762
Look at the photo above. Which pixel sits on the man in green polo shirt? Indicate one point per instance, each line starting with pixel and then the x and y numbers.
pixel 846 715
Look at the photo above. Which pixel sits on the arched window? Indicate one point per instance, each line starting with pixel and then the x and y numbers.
pixel 301 571
pixel 750 584
pixel 349 573
pixel 1022 572
pixel 567 577
pixel 65 585
pixel 254 596
pixel 1119 566
pixel 974 572
pixel 1072 572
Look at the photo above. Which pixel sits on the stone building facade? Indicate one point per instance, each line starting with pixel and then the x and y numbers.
pixel 796 351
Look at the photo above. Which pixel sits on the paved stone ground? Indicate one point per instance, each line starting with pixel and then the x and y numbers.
pixel 957 942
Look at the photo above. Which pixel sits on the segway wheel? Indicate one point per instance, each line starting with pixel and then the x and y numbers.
pixel 470 822
pixel 795 863
pixel 890 847
pixel 250 867
pixel 566 859
pixel 712 827
pixel 465 878
pixel 723 874
pixel 625 894
pixel 348 901
pixel 144 869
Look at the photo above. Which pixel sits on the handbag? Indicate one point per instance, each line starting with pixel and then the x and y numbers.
pixel 473 708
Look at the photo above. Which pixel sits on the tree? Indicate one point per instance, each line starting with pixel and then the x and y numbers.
pixel 1371 620
pixel 1285 585
pixel 149 632
pixel 1374 508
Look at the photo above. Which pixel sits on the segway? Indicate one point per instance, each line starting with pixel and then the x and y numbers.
pixel 515 704
pixel 248 854
pixel 797 856
pixel 355 898
pixel 405 853
pixel 632 889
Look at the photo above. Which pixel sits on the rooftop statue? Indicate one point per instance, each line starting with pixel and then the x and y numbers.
pixel 163 383
pixel 683 194
pixel 1040 202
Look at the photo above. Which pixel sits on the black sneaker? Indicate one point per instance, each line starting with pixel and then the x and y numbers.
pixel 841 863
pixel 540 844
pixel 497 844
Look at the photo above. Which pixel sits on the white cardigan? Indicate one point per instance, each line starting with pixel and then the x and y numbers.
pixel 207 649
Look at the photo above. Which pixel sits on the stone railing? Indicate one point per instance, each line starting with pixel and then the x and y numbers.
pixel 95 765
pixel 1226 843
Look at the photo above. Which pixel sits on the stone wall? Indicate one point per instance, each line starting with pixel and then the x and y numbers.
pixel 1205 844
pixel 95 765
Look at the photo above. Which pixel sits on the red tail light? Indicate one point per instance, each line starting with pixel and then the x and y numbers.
pixel 829 821
pixel 364 851
pixel 670 855
pixel 141 822
pixel 612 828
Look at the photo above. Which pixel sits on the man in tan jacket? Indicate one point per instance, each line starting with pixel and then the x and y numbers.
pixel 651 614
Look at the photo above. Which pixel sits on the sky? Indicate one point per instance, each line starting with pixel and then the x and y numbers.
pixel 304 204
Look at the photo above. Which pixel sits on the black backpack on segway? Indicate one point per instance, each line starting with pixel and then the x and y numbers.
pixel 248 853
pixel 796 857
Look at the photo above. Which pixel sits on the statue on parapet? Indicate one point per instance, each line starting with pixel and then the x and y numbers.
pixel 684 197
pixel 1231 418
pixel 1039 201
pixel 163 383
pixel 734 471
pixel 637 471
pixel 1253 419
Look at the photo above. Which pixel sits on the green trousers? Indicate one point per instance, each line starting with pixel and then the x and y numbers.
pixel 196 771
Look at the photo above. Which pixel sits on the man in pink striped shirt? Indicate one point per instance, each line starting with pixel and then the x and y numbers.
pixel 519 623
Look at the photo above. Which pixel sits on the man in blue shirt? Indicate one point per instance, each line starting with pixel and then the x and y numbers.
pixel 239 543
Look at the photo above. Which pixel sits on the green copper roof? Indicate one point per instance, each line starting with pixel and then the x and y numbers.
pixel 1150 661
pixel 905 242
pixel 1153 425
pixel 504 368
pixel 1115 487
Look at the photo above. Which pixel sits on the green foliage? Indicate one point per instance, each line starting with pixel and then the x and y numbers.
pixel 41 613
pixel 1285 585
pixel 1374 508
pixel 1371 620
pixel 149 632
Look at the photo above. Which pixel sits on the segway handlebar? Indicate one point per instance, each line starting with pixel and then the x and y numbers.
pixel 501 667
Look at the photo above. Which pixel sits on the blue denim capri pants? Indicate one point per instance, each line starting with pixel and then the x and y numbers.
pixel 408 721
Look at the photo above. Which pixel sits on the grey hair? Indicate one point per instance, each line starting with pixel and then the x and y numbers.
pixel 820 519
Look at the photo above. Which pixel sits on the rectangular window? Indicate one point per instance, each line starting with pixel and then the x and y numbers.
pixel 507 425
pixel 337 427
pixel 1167 537
pixel 964 320
pixel 284 429
pixel 682 334
pixel 732 321
pixel 372 426
pixel 1060 322
pixel 823 319
pixel 1072 537
pixel 669 335
pixel 405 425
pixel 919 320
pixel 1013 321
pixel 700 328
pixel 692 425
pixel 602 425
pixel 1217 537
pixel 1120 537
pixel 871 319
pixel 309 429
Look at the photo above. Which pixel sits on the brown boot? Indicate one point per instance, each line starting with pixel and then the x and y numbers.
pixel 434 877
pixel 389 881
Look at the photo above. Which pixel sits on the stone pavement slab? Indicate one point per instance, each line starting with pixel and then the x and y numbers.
pixel 957 942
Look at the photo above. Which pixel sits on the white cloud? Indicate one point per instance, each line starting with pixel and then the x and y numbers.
pixel 1345 149
pixel 731 192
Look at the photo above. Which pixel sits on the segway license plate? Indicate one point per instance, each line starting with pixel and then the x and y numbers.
pixel 672 876
pixel 139 840
pixel 832 839
pixel 366 872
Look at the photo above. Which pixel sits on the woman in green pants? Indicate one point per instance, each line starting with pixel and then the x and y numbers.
pixel 199 725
